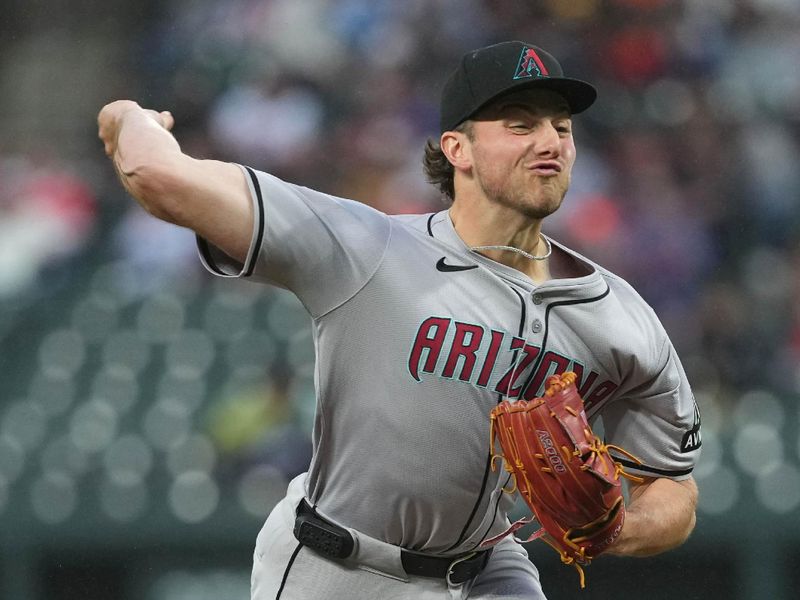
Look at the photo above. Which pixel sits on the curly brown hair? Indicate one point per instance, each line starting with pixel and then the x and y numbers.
pixel 438 170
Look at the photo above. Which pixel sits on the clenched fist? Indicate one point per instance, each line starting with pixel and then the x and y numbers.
pixel 110 119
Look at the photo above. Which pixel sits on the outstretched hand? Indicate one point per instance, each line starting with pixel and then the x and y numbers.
pixel 109 121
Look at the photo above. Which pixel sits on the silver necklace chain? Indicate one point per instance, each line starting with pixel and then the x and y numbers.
pixel 518 251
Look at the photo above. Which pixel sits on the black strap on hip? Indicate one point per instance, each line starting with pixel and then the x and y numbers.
pixel 336 542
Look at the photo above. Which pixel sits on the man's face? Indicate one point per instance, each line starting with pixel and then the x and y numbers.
pixel 523 151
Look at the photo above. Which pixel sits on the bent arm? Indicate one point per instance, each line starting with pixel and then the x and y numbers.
pixel 660 515
pixel 210 197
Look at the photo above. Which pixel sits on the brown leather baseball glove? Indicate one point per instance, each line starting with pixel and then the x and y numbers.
pixel 563 470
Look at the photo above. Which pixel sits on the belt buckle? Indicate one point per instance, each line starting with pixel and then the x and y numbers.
pixel 451 568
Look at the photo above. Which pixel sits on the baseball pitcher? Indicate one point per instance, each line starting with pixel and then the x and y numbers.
pixel 433 330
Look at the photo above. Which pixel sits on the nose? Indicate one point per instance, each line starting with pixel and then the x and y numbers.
pixel 547 140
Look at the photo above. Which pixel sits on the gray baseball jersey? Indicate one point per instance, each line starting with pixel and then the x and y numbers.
pixel 418 337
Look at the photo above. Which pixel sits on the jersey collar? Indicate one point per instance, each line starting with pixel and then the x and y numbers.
pixel 441 227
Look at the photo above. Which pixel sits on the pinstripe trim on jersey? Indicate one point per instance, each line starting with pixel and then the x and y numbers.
pixel 496 508
pixel 487 469
pixel 250 262
pixel 523 316
pixel 253 258
pixel 286 572
pixel 486 472
pixel 205 253
pixel 664 472
pixel 542 350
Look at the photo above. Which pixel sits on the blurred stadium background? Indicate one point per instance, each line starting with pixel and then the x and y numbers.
pixel 150 417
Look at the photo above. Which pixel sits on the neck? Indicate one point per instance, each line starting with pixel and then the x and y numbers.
pixel 499 226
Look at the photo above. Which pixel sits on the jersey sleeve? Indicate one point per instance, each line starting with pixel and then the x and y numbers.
pixel 656 420
pixel 322 248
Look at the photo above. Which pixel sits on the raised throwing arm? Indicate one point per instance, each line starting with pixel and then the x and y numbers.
pixel 210 197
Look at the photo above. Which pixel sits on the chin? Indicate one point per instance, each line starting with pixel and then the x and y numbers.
pixel 532 203
pixel 538 212
pixel 540 208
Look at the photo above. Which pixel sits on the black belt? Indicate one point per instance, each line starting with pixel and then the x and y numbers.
pixel 334 541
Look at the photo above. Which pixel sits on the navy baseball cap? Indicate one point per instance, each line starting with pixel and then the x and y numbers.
pixel 486 73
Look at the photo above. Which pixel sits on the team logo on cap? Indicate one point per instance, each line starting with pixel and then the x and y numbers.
pixel 530 65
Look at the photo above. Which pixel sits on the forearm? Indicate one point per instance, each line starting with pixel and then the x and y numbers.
pixel 660 516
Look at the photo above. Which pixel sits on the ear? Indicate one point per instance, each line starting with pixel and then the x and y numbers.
pixel 457 147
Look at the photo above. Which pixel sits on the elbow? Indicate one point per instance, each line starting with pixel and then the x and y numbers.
pixel 683 533
pixel 692 515
pixel 693 493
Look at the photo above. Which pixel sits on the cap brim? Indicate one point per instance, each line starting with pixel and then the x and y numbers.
pixel 579 95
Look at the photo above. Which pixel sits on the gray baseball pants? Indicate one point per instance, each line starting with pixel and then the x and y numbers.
pixel 285 570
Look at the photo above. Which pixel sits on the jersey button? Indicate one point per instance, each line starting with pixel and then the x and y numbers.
pixel 536 326
pixel 537 298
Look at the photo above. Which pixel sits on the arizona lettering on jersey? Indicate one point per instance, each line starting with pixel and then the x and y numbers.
pixel 496 360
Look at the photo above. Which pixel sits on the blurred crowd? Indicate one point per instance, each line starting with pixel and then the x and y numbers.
pixel 688 175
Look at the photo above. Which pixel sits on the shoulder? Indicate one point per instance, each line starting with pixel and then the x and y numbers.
pixel 636 326
pixel 281 201
pixel 421 223
pixel 626 293
pixel 618 288
pixel 272 187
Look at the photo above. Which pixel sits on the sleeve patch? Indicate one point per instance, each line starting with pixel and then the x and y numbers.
pixel 692 439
